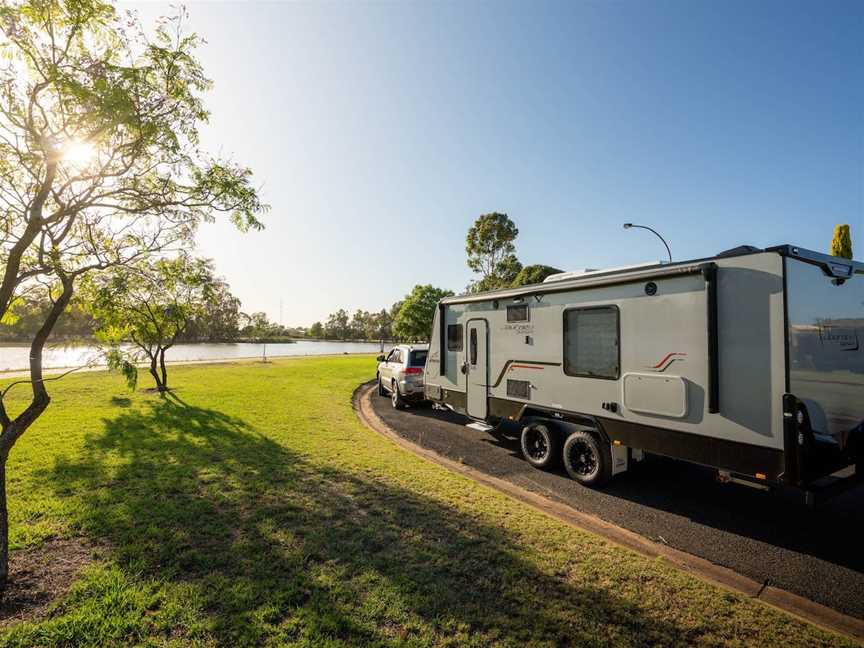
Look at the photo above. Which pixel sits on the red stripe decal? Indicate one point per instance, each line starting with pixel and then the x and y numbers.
pixel 674 353
pixel 515 366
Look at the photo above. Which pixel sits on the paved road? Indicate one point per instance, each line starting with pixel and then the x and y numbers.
pixel 765 536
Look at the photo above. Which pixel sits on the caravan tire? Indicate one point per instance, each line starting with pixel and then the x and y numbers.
pixel 541 445
pixel 587 460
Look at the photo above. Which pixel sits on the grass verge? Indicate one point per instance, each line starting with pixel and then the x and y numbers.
pixel 251 507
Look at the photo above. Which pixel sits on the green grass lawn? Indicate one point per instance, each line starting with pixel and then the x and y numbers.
pixel 253 508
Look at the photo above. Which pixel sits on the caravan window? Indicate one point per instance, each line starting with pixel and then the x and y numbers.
pixel 591 342
pixel 454 337
pixel 472 350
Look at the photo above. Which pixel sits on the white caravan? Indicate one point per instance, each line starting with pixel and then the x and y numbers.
pixel 751 362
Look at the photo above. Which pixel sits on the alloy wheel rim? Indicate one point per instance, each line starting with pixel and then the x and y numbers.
pixel 538 447
pixel 583 459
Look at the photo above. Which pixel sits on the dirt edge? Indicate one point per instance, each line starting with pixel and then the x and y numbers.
pixel 41 576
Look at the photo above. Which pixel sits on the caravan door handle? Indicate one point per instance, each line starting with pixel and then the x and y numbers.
pixel 465 368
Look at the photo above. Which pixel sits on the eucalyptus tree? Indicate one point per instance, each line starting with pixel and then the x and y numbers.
pixel 100 164
pixel 416 313
pixel 220 321
pixel 315 331
pixel 337 323
pixel 491 252
pixel 148 306
pixel 533 274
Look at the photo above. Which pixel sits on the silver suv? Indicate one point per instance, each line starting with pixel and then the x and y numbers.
pixel 400 374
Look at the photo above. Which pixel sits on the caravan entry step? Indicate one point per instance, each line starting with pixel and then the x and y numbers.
pixel 480 427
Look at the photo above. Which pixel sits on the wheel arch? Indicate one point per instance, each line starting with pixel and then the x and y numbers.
pixel 564 422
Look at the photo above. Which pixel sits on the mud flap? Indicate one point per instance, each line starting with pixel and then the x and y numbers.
pixel 620 457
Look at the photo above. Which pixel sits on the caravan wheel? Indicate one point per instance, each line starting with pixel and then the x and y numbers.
pixel 540 445
pixel 587 460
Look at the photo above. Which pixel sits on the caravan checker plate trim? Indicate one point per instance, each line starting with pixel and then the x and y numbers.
pixel 728 362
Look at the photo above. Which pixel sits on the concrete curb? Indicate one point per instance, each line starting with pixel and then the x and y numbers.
pixel 793 604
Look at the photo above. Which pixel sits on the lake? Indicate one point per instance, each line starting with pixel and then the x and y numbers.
pixel 57 356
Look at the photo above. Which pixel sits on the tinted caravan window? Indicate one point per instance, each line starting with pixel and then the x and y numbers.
pixel 454 337
pixel 591 344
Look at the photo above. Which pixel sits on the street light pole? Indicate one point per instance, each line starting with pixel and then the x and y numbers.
pixel 653 231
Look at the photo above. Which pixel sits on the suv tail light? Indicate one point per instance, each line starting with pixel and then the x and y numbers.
pixel 412 370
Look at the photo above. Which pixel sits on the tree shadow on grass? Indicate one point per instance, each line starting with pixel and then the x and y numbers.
pixel 277 548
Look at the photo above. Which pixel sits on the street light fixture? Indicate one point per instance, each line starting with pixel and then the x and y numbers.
pixel 668 251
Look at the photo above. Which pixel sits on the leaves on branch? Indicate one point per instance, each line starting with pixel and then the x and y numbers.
pixel 414 318
pixel 100 165
pixel 491 252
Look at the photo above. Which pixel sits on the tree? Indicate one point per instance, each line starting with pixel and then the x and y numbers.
pixel 380 325
pixel 99 164
pixel 360 325
pixel 220 319
pixel 316 330
pixel 533 274
pixel 26 315
pixel 841 244
pixel 258 327
pixel 337 325
pixel 149 304
pixel 417 312
pixel 491 253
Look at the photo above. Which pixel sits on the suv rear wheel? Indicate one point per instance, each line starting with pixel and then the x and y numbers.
pixel 395 397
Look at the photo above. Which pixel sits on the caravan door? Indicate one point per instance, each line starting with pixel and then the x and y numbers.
pixel 477 365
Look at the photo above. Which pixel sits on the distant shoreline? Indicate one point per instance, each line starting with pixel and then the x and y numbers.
pixel 93 341
pixel 14 358
pixel 53 371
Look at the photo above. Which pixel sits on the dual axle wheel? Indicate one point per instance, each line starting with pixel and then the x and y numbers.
pixel 586 459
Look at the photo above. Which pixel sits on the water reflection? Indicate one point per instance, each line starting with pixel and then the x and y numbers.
pixel 57 356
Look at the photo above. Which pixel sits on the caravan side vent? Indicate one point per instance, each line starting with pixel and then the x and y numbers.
pixel 519 388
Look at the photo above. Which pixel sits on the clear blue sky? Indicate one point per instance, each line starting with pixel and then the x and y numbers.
pixel 379 132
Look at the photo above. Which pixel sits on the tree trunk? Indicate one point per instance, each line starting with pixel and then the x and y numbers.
pixel 163 370
pixel 4 530
pixel 154 359
pixel 14 428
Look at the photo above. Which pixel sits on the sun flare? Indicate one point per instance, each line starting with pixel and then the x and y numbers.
pixel 79 154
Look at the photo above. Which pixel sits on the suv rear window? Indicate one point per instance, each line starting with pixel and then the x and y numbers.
pixel 417 358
